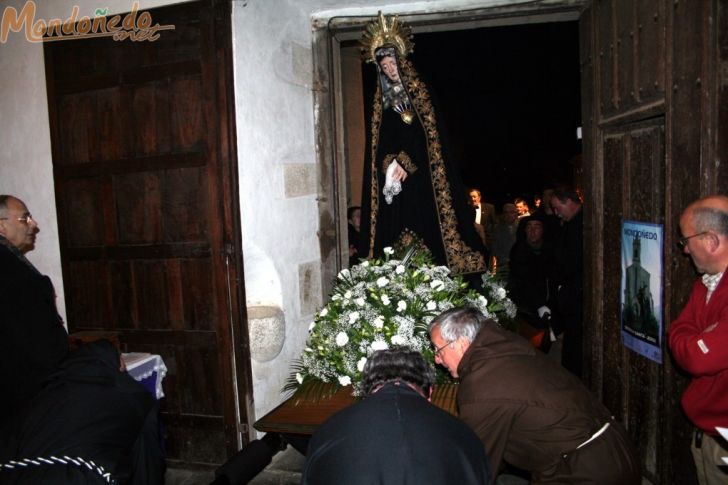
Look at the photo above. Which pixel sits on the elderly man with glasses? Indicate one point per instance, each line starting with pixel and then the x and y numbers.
pixel 699 337
pixel 528 411
pixel 32 336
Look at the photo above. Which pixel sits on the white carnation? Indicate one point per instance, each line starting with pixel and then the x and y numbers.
pixel 437 285
pixel 501 293
pixel 382 282
pixel 378 322
pixel 379 345
pixel 399 269
pixel 342 339
pixel 364 264
pixel 360 364
pixel 324 312
pixel 388 250
pixel 360 301
pixel 353 317
pixel 347 294
pixel 345 380
pixel 385 299
pixel 344 273
pixel 401 305
pixel 431 305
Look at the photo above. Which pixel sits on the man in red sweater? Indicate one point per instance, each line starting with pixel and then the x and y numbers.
pixel 699 337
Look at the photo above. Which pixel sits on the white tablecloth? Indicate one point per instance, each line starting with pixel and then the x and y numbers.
pixel 149 369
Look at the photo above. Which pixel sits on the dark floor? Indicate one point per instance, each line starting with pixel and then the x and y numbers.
pixel 284 470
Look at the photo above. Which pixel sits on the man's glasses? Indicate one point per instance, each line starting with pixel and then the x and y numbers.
pixel 683 241
pixel 436 350
pixel 25 219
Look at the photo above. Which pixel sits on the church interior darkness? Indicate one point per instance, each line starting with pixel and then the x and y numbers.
pixel 509 97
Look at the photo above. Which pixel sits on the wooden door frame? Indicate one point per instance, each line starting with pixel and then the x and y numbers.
pixel 328 36
pixel 241 378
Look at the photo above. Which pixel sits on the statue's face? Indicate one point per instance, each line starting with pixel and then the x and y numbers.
pixel 389 67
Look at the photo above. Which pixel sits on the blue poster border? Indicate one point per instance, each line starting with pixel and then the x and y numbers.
pixel 642 325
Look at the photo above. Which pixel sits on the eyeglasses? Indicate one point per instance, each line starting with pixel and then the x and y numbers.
pixel 436 350
pixel 683 241
pixel 25 219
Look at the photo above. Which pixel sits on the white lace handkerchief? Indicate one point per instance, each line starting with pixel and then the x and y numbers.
pixel 391 187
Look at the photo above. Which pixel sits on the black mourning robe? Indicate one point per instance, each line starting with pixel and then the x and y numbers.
pixel 432 207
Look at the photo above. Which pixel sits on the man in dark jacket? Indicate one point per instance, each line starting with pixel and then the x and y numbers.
pixel 91 423
pixel 527 410
pixel 32 337
pixel 567 276
pixel 528 282
pixel 395 436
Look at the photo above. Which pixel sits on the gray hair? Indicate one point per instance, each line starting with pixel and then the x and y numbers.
pixel 459 322
pixel 709 219
pixel 4 198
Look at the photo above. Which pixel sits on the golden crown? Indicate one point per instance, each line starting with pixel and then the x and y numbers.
pixel 386 31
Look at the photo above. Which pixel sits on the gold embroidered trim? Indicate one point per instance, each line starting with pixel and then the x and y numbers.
pixel 403 159
pixel 406 162
pixel 374 193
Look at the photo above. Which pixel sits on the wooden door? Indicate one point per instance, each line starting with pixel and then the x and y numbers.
pixel 650 97
pixel 146 188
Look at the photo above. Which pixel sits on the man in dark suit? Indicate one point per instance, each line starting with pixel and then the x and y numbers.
pixel 32 336
pixel 394 435
pixel 483 216
pixel 567 274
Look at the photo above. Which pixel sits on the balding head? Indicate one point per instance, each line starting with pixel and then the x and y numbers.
pixel 704 228
pixel 16 223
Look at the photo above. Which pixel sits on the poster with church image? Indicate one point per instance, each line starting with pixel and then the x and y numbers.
pixel 641 289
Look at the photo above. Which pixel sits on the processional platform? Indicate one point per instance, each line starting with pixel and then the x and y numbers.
pixel 302 415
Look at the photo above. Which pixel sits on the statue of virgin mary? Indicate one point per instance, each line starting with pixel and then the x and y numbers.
pixel 410 193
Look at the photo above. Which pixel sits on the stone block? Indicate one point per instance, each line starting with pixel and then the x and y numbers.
pixel 267 332
pixel 299 179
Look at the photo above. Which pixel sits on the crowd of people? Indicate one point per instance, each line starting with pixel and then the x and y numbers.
pixel 537 254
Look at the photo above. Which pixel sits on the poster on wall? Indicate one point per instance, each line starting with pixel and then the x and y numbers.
pixel 641 289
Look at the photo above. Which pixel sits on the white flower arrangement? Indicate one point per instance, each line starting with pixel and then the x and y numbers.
pixel 384 302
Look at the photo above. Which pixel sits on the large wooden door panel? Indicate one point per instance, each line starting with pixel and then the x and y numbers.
pixel 634 155
pixel 147 201
pixel 650 77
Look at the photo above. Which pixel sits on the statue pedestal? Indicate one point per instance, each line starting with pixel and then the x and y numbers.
pixel 294 421
pixel 302 415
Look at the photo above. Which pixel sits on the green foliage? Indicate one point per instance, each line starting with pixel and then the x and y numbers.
pixel 381 303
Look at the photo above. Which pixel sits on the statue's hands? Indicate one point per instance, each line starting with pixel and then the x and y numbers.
pixel 399 174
